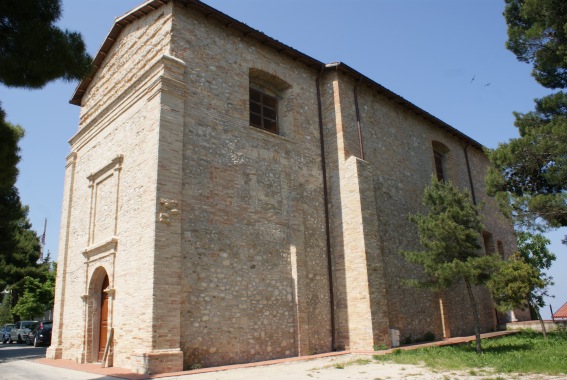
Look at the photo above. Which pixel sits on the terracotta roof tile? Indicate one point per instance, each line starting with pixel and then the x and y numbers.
pixel 561 313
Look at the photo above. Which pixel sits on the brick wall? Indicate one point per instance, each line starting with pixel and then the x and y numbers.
pixel 254 266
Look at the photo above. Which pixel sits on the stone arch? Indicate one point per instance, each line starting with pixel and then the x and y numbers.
pixel 100 278
pixel 267 81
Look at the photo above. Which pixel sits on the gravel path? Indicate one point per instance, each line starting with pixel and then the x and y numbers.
pixel 346 367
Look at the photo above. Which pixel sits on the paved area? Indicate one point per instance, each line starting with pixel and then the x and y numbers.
pixel 307 367
pixel 13 352
pixel 26 370
pixel 18 362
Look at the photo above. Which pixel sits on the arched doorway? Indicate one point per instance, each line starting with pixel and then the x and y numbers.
pixel 103 318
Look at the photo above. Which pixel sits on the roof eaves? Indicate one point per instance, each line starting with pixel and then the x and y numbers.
pixel 349 71
pixel 250 32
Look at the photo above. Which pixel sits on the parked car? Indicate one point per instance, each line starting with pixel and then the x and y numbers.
pixel 40 334
pixel 5 332
pixel 21 330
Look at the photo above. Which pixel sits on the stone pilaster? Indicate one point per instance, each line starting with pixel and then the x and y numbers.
pixel 166 354
pixel 360 289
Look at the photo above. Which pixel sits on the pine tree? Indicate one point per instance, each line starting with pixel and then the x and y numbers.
pixel 450 233
pixel 529 173
pixel 33 49
pixel 33 52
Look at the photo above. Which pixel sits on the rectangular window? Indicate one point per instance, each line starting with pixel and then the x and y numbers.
pixel 438 156
pixel 263 111
pixel 500 248
pixel 488 243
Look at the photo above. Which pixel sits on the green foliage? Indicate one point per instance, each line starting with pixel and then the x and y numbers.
pixel 512 285
pixel 525 352
pixel 522 278
pixel 33 50
pixel 529 174
pixel 450 234
pixel 19 247
pixel 380 347
pixel 537 34
pixel 37 296
pixel 19 244
pixel 10 135
pixel 532 248
pixel 28 305
pixel 6 310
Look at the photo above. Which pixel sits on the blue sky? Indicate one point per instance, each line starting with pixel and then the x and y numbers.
pixel 426 51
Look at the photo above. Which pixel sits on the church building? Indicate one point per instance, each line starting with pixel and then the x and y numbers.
pixel 229 199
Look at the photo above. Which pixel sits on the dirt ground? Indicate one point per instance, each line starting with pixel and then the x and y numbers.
pixel 346 367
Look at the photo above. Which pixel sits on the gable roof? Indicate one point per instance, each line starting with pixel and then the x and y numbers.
pixel 561 313
pixel 229 22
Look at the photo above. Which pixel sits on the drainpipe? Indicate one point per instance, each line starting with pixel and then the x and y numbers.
pixel 470 174
pixel 326 201
pixel 360 144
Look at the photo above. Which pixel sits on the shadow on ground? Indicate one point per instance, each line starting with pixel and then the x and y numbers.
pixel 13 352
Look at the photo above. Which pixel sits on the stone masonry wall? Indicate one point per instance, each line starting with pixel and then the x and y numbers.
pixel 398 146
pixel 254 282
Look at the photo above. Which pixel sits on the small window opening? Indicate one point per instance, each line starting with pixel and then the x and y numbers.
pixel 488 243
pixel 500 248
pixel 438 156
pixel 263 111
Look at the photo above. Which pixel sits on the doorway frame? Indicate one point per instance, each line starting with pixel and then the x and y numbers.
pixel 92 313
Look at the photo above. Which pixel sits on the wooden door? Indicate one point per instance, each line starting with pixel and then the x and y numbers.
pixel 103 329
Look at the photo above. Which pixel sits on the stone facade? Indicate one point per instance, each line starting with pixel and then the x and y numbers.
pixel 224 243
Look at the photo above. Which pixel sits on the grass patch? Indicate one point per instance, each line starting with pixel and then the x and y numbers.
pixel 359 362
pixel 342 365
pixel 525 352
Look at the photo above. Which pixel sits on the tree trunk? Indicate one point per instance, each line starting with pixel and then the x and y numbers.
pixel 476 317
pixel 536 309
